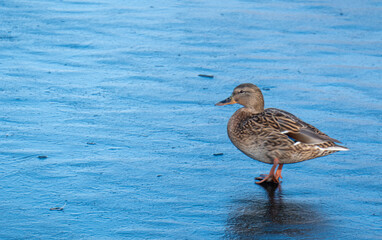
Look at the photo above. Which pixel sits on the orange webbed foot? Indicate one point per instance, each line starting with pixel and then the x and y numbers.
pixel 278 172
pixel 267 179
pixel 272 176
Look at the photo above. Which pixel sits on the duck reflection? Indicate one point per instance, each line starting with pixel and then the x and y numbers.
pixel 273 217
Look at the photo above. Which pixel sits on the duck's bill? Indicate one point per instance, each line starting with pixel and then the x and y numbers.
pixel 226 102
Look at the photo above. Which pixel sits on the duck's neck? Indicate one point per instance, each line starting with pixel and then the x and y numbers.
pixel 256 103
pixel 256 110
pixel 257 107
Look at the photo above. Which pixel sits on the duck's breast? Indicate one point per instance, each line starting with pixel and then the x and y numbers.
pixel 247 137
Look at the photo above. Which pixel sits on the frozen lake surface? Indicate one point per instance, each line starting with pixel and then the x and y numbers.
pixel 107 93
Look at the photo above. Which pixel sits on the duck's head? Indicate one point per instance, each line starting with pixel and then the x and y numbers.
pixel 246 94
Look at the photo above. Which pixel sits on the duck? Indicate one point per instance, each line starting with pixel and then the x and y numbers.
pixel 272 135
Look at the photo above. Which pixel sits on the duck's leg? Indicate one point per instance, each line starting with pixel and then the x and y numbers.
pixel 278 173
pixel 271 174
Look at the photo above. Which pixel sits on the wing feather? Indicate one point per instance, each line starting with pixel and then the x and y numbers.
pixel 295 128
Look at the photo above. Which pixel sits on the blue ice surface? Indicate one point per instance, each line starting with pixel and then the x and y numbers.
pixel 109 92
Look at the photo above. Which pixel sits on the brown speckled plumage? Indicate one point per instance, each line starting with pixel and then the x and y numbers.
pixel 254 132
pixel 269 134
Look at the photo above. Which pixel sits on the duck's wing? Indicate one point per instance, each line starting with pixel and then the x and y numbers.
pixel 295 128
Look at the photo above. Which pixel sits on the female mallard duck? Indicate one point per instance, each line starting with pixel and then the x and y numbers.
pixel 272 135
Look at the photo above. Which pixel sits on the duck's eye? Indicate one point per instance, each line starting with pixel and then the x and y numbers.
pixel 241 91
